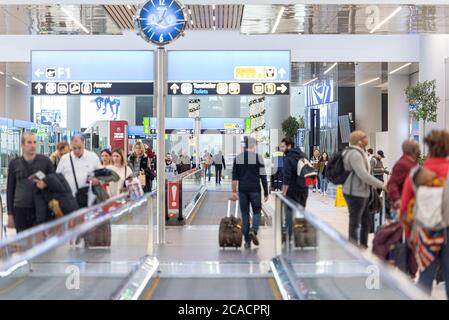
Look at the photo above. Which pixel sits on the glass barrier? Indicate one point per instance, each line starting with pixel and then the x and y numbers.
pixel 191 186
pixel 321 264
pixel 89 254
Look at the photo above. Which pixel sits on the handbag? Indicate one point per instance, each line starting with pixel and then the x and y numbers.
pixel 374 204
pixel 142 179
pixel 81 194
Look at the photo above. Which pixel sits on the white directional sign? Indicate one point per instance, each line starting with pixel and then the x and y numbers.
pixel 174 88
pixel 39 88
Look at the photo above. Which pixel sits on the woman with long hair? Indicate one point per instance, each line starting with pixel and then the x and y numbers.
pixel 120 166
pixel 322 165
pixel 105 157
pixel 140 164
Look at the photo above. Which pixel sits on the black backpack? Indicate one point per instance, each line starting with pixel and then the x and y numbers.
pixel 335 170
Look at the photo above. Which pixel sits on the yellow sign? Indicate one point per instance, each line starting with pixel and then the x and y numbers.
pixel 339 198
pixel 231 126
pixel 256 73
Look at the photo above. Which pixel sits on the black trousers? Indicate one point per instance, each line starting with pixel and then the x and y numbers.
pixel 359 219
pixel 218 171
pixel 24 218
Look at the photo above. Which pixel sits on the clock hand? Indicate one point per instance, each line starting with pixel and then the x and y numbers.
pixel 163 15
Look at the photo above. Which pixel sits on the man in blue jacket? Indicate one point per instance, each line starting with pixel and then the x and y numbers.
pixel 291 186
pixel 248 172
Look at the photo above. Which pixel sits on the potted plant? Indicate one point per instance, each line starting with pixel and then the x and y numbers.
pixel 291 125
pixel 424 100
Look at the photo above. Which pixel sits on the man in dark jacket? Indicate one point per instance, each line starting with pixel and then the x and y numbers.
pixel 25 201
pixel 291 186
pixel 401 170
pixel 248 171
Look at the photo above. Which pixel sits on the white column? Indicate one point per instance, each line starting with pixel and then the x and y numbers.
pixel 17 95
pixel 73 112
pixel 231 106
pixel 398 115
pixel 368 101
pixel 180 106
pixel 433 50
pixel 128 109
pixel 2 89
pixel 277 110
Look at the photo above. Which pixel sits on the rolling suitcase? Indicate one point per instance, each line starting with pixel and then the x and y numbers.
pixel 304 233
pixel 99 236
pixel 230 231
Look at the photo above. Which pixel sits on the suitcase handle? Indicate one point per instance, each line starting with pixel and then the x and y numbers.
pixel 236 212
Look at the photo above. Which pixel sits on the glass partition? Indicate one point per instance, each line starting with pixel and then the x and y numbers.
pixel 52 261
pixel 325 265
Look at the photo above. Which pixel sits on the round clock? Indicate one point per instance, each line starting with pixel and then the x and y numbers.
pixel 160 21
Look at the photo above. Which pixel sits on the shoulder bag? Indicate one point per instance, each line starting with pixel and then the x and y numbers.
pixel 81 194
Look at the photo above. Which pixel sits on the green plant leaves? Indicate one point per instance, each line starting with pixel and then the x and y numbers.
pixel 424 99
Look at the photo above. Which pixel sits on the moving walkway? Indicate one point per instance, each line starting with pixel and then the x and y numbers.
pixel 41 264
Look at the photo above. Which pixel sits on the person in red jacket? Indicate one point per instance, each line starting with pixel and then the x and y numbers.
pixel 430 246
pixel 400 172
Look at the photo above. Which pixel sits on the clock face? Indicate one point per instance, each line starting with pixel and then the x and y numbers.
pixel 161 21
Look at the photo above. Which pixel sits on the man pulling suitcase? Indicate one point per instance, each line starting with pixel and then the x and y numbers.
pixel 248 172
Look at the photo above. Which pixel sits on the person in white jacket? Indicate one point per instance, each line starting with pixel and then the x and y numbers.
pixel 120 166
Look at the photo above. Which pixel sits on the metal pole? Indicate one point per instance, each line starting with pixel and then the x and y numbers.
pixel 197 141
pixel 277 225
pixel 160 94
pixel 150 212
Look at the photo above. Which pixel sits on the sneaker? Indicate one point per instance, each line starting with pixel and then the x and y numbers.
pixel 253 237
pixel 313 190
pixel 247 245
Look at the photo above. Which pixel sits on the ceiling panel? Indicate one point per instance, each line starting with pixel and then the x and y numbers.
pixel 227 17
pixel 346 19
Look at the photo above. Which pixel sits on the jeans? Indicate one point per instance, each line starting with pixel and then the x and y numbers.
pixel 218 171
pixel 427 276
pixel 245 199
pixel 324 183
pixel 301 198
pixel 207 170
pixel 359 219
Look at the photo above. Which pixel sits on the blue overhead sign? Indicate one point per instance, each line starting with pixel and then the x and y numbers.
pixel 228 72
pixel 92 72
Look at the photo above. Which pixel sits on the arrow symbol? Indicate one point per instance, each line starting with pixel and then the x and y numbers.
pixel 174 87
pixel 39 87
pixel 282 72
pixel 39 73
pixel 282 88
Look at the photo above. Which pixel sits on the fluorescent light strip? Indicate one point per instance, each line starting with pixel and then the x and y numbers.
pixel 278 19
pixel 129 7
pixel 20 81
pixel 76 21
pixel 395 12
pixel 369 81
pixel 1 72
pixel 213 18
pixel 190 12
pixel 213 7
pixel 400 68
pixel 310 81
pixel 330 68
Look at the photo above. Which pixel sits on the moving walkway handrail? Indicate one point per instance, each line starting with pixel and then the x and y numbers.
pixel 184 175
pixel 395 278
pixel 67 233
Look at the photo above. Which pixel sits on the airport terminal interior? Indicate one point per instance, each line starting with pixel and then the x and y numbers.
pixel 184 86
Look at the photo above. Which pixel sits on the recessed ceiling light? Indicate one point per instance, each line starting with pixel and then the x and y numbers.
pixel 278 19
pixel 213 7
pixel 1 72
pixel 400 68
pixel 20 81
pixel 369 81
pixel 330 68
pixel 213 18
pixel 310 81
pixel 190 12
pixel 391 15
pixel 76 21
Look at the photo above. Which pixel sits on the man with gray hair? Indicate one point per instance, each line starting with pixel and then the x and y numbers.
pixel 357 187
pixel 26 204
pixel 401 170
pixel 78 167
